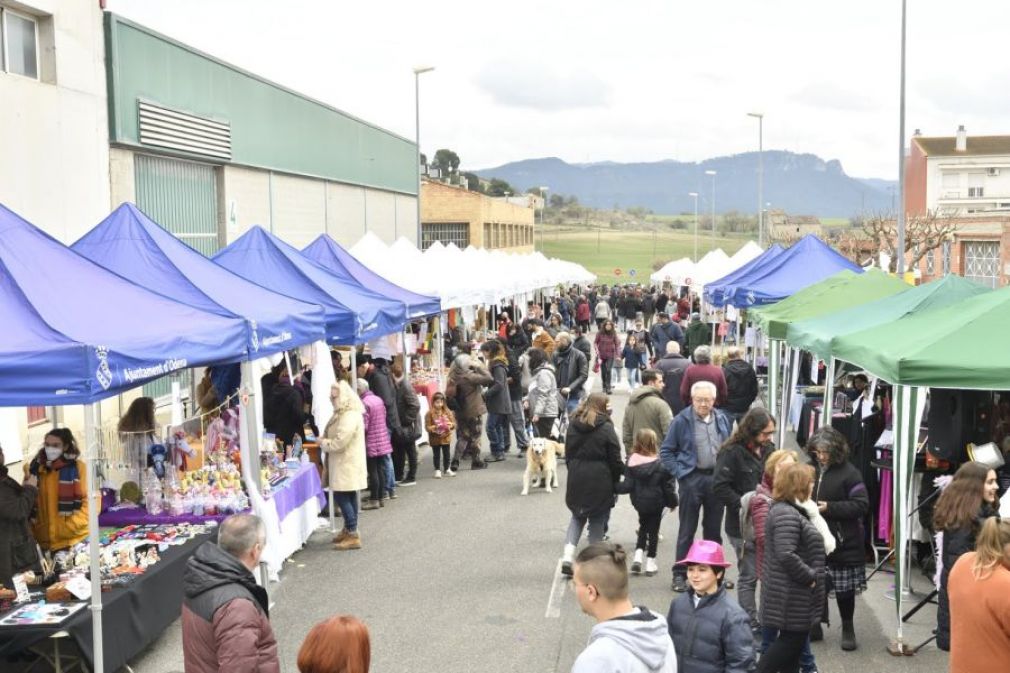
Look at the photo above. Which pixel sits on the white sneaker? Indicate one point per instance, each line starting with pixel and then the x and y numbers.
pixel 450 473
pixel 438 474
pixel 650 566
pixel 636 564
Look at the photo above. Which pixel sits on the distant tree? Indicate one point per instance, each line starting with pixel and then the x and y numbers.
pixel 473 181
pixel 556 201
pixel 571 200
pixel 498 187
pixel 424 159
pixel 446 161
pixel 923 234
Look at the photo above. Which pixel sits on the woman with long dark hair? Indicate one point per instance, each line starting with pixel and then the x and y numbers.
pixel 593 459
pixel 608 346
pixel 61 518
pixel 137 434
pixel 966 503
pixel 843 502
pixel 739 468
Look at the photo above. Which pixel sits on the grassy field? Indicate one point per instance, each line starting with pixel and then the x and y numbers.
pixel 610 250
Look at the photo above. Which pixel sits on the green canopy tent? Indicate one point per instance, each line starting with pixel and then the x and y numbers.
pixel 938 348
pixel 841 291
pixel 816 334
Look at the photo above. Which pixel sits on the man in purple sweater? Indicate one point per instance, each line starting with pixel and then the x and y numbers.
pixel 703 370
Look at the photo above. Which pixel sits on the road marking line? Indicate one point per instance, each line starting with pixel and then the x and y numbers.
pixel 558 587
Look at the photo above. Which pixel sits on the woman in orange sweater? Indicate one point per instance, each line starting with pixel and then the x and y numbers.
pixel 979 593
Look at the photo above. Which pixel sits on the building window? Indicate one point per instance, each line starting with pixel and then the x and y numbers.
pixel 445 233
pixel 19 44
pixel 981 262
pixel 947 247
pixel 976 192
pixel 37 415
pixel 931 263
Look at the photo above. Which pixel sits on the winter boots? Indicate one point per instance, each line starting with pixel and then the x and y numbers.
pixel 848 636
pixel 350 541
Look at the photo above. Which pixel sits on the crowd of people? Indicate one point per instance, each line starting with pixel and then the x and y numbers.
pixel 692 441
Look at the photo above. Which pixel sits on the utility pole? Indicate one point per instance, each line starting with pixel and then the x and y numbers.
pixel 761 172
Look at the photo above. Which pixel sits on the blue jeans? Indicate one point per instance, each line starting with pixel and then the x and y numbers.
pixel 644 358
pixel 518 420
pixel 390 477
pixel 497 432
pixel 634 376
pixel 573 402
pixel 348 503
pixel 807 661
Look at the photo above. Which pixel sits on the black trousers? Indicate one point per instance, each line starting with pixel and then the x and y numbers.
pixel 443 451
pixel 376 476
pixel 648 532
pixel 544 425
pixel 404 452
pixel 606 369
pixel 783 655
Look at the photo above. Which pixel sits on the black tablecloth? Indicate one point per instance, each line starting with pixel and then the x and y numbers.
pixel 132 617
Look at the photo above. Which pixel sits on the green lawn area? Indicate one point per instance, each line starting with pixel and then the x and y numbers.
pixel 628 250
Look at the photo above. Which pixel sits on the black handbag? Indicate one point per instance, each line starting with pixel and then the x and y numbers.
pixel 25 555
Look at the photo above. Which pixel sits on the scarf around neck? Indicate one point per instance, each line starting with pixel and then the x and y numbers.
pixel 70 494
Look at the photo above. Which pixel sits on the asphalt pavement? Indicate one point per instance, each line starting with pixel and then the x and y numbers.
pixel 461 574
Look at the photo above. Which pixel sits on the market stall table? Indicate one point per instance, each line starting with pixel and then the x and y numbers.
pixel 132 616
pixel 297 502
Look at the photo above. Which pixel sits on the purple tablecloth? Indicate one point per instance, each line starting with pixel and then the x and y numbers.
pixel 139 516
pixel 298 489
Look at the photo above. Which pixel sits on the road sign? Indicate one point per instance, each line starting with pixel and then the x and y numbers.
pixel 617 272
pixel 631 272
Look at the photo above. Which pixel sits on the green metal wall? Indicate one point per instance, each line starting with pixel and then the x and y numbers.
pixel 181 196
pixel 271 127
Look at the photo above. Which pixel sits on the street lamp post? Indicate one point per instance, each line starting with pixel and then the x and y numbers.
pixel 712 173
pixel 695 195
pixel 761 172
pixel 417 140
pixel 901 155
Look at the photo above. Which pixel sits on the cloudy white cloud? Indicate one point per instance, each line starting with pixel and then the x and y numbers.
pixel 640 80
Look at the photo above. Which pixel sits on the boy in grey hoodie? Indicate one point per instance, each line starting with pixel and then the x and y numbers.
pixel 626 638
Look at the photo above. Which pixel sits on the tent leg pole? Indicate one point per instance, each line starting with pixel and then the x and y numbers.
pixel 252 455
pixel 94 504
pixel 354 387
pixel 829 393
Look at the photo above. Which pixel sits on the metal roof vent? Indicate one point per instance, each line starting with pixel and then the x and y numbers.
pixel 183 132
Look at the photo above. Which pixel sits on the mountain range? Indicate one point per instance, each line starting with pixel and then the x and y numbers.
pixel 800 184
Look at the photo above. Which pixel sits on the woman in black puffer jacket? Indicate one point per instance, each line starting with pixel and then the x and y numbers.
pixel 843 502
pixel 792 577
pixel 593 459
pixel 967 501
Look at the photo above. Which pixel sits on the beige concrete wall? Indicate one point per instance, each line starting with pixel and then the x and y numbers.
pixel 299 209
pixel 54 135
pixel 380 216
pixel 345 213
pixel 246 198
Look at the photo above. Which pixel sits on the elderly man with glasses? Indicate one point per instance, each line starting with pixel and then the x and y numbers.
pixel 689 452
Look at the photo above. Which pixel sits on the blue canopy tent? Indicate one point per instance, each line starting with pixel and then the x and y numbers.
pixel 331 255
pixel 130 335
pixel 808 261
pixel 715 292
pixel 132 245
pixel 77 333
pixel 353 315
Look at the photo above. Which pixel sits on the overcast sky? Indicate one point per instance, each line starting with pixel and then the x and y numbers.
pixel 636 80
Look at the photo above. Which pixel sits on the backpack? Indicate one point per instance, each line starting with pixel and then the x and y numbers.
pixel 452 398
pixel 747 531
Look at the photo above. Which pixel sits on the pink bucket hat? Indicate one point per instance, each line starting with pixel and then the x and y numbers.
pixel 705 552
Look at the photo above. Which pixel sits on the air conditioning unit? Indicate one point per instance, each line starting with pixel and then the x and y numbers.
pixel 992 172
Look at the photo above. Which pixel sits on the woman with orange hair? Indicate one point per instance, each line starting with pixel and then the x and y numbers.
pixel 338 645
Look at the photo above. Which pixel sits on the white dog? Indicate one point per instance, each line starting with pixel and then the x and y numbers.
pixel 542 463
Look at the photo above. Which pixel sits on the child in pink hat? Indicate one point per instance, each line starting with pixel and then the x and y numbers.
pixel 710 631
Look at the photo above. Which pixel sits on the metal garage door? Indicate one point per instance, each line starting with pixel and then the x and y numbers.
pixel 181 196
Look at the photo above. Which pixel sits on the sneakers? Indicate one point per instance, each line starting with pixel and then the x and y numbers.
pixel 351 541
pixel 496 458
pixel 438 474
pixel 409 481
pixel 478 465
pixel 636 565
pixel 567 558
pixel 393 495
pixel 679 584
pixel 650 567
pixel 371 504
pixel 450 472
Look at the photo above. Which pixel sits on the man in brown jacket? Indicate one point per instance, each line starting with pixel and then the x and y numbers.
pixel 225 621
pixel 467 378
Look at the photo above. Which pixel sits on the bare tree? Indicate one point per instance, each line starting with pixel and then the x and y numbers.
pixel 923 234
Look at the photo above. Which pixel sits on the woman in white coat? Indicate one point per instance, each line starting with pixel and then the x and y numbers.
pixel 343 442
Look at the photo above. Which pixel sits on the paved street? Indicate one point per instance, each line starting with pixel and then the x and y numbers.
pixel 456 575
